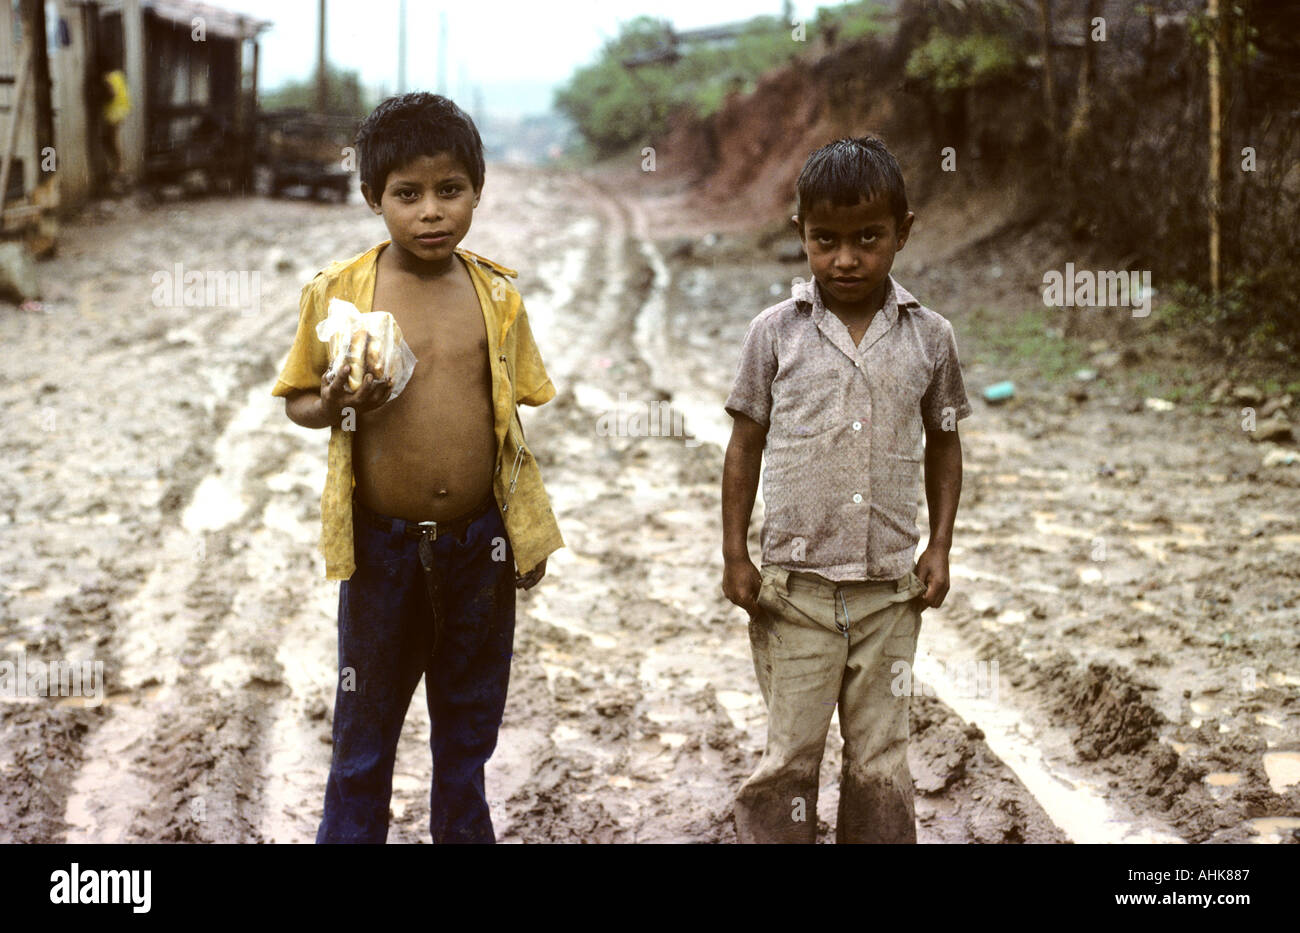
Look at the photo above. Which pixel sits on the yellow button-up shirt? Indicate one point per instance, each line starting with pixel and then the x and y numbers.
pixel 518 376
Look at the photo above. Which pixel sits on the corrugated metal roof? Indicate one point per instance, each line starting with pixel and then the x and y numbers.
pixel 216 20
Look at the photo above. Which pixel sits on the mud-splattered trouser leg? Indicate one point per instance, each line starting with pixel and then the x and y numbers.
pixel 386 636
pixel 799 658
pixel 876 803
pixel 813 645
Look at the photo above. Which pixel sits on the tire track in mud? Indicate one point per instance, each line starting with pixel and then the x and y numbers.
pixel 628 742
pixel 75 772
pixel 178 751
pixel 170 762
pixel 51 739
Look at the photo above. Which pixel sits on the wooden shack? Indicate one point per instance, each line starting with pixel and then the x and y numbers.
pixel 191 73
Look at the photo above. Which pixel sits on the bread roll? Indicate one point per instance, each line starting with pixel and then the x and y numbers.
pixel 342 322
pixel 382 346
pixel 338 340
pixel 356 358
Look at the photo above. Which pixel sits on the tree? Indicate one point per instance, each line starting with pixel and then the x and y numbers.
pixel 345 98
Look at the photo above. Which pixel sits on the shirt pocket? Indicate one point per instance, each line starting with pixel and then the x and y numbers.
pixel 895 500
pixel 897 478
pixel 808 403
pixel 798 425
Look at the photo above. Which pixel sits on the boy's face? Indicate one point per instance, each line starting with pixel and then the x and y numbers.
pixel 427 205
pixel 851 250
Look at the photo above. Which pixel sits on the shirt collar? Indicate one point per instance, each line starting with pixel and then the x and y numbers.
pixel 807 297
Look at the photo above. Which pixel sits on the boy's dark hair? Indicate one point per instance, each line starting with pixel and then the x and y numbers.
pixel 404 128
pixel 847 171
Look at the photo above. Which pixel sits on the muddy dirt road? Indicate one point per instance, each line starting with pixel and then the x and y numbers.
pixel 161 514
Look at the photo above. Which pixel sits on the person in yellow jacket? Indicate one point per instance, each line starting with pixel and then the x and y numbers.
pixel 433 511
pixel 116 106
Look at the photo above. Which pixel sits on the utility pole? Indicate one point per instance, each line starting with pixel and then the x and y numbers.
pixel 1217 39
pixel 1049 90
pixel 134 132
pixel 401 48
pixel 321 80
pixel 33 18
pixel 442 53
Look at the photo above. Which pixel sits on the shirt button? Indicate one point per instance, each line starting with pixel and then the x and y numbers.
pixel 857 425
pixel 857 497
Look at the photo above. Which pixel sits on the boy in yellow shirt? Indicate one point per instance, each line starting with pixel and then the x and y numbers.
pixel 431 499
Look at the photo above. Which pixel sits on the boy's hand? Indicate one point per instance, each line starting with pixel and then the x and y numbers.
pixel 335 397
pixel 932 569
pixel 530 579
pixel 740 584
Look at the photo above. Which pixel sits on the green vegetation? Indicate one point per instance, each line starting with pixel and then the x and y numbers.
pixel 1242 37
pixel 1242 319
pixel 850 21
pixel 952 63
pixel 1028 339
pixel 614 106
pixel 642 79
pixel 344 95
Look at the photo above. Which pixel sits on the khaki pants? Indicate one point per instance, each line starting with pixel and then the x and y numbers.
pixel 817 644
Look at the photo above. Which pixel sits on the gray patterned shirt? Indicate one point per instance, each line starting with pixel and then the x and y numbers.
pixel 842 462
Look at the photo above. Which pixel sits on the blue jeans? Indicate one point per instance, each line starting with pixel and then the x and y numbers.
pixel 386 641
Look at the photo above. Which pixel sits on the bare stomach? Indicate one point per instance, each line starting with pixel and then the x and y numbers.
pixel 425 460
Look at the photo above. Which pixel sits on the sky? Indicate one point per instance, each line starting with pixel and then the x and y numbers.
pixel 516 52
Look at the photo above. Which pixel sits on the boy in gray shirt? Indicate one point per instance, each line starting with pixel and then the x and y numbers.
pixel 835 387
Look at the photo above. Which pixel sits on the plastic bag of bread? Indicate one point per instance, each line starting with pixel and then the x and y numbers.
pixel 370 342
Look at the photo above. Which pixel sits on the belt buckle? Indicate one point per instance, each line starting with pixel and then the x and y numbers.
pixel 428 528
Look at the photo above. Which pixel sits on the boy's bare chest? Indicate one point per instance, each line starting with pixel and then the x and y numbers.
pixel 442 324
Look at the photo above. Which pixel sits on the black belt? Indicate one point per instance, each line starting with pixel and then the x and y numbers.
pixel 434 530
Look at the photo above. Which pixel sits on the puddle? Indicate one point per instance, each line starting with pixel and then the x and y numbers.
pixel 1273 829
pixel 736 703
pixel 1283 770
pixel 1223 779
